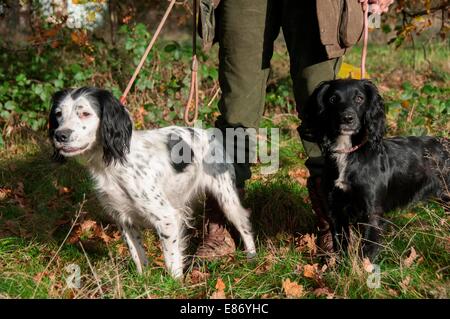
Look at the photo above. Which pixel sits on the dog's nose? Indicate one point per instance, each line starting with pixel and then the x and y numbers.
pixel 63 135
pixel 348 118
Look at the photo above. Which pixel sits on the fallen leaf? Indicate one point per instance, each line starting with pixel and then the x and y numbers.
pixel 367 265
pixel 392 292
pixel 411 258
pixel 122 249
pixel 220 290
pixel 405 282
pixel 405 104
pixel 331 262
pixel 308 243
pixel 87 225
pixel 319 292
pixel 5 193
pixel 310 271
pixel 79 37
pixel 198 276
pixel 159 261
pixel 292 289
pixel 266 265
pixel 64 190
pixel 300 175
pixel 38 277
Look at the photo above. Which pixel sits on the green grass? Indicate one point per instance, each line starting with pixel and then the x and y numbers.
pixel 41 199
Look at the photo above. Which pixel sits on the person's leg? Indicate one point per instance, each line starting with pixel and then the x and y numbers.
pixel 246 31
pixel 309 65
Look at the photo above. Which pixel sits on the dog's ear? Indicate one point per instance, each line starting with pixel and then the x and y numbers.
pixel 115 127
pixel 375 118
pixel 315 104
pixel 53 124
pixel 311 113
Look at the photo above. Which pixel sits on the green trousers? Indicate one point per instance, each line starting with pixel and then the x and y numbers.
pixel 247 30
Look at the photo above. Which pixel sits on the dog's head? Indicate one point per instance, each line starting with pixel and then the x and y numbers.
pixel 84 119
pixel 346 107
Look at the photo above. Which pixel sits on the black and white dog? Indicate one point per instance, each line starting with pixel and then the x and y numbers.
pixel 365 173
pixel 142 177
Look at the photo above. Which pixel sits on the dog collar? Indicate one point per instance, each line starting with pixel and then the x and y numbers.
pixel 351 149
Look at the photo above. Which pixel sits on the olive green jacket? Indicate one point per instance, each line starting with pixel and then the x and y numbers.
pixel 340 23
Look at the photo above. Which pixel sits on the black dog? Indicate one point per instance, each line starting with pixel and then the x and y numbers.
pixel 365 174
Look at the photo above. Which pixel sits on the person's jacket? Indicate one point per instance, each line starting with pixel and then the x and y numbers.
pixel 340 24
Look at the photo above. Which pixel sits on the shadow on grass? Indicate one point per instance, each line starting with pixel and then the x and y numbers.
pixel 278 206
pixel 41 196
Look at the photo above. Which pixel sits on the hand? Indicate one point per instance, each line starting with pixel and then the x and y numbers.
pixel 379 6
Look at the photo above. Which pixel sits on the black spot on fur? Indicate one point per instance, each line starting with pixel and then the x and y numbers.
pixel 177 148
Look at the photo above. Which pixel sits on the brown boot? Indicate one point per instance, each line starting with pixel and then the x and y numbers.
pixel 217 241
pixel 318 203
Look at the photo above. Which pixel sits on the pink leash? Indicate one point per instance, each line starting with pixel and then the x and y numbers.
pixel 365 7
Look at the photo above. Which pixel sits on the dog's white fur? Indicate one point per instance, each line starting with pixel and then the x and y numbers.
pixel 342 142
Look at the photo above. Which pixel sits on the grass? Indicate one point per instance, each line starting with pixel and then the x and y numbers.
pixel 40 201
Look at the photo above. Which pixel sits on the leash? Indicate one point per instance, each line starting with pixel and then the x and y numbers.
pixel 193 92
pixel 365 7
pixel 147 51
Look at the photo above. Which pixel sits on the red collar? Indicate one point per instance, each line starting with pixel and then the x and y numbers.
pixel 351 149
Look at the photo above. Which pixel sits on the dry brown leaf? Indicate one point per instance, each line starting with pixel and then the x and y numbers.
pixel 405 282
pixel 79 37
pixel 159 261
pixel 19 195
pixel 198 276
pixel 292 289
pixel 220 290
pixel 38 277
pixel 367 265
pixel 5 193
pixel 300 175
pixel 392 292
pixel 310 271
pixel 319 292
pixel 308 243
pixel 64 190
pixel 331 261
pixel 87 225
pixel 411 258
pixel 122 249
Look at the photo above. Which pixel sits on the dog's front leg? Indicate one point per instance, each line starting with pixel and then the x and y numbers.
pixel 372 234
pixel 133 239
pixel 339 220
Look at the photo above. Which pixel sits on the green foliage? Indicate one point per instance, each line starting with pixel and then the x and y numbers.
pixel 28 79
pixel 421 112
pixel 28 82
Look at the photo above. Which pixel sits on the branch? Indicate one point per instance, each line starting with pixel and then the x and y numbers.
pixel 425 12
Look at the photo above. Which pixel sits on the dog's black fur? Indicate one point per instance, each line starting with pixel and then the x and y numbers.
pixel 380 175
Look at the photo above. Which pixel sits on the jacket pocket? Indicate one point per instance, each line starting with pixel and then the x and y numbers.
pixel 351 23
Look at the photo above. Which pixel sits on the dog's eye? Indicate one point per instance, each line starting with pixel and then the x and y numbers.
pixel 58 114
pixel 333 99
pixel 359 99
pixel 85 114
